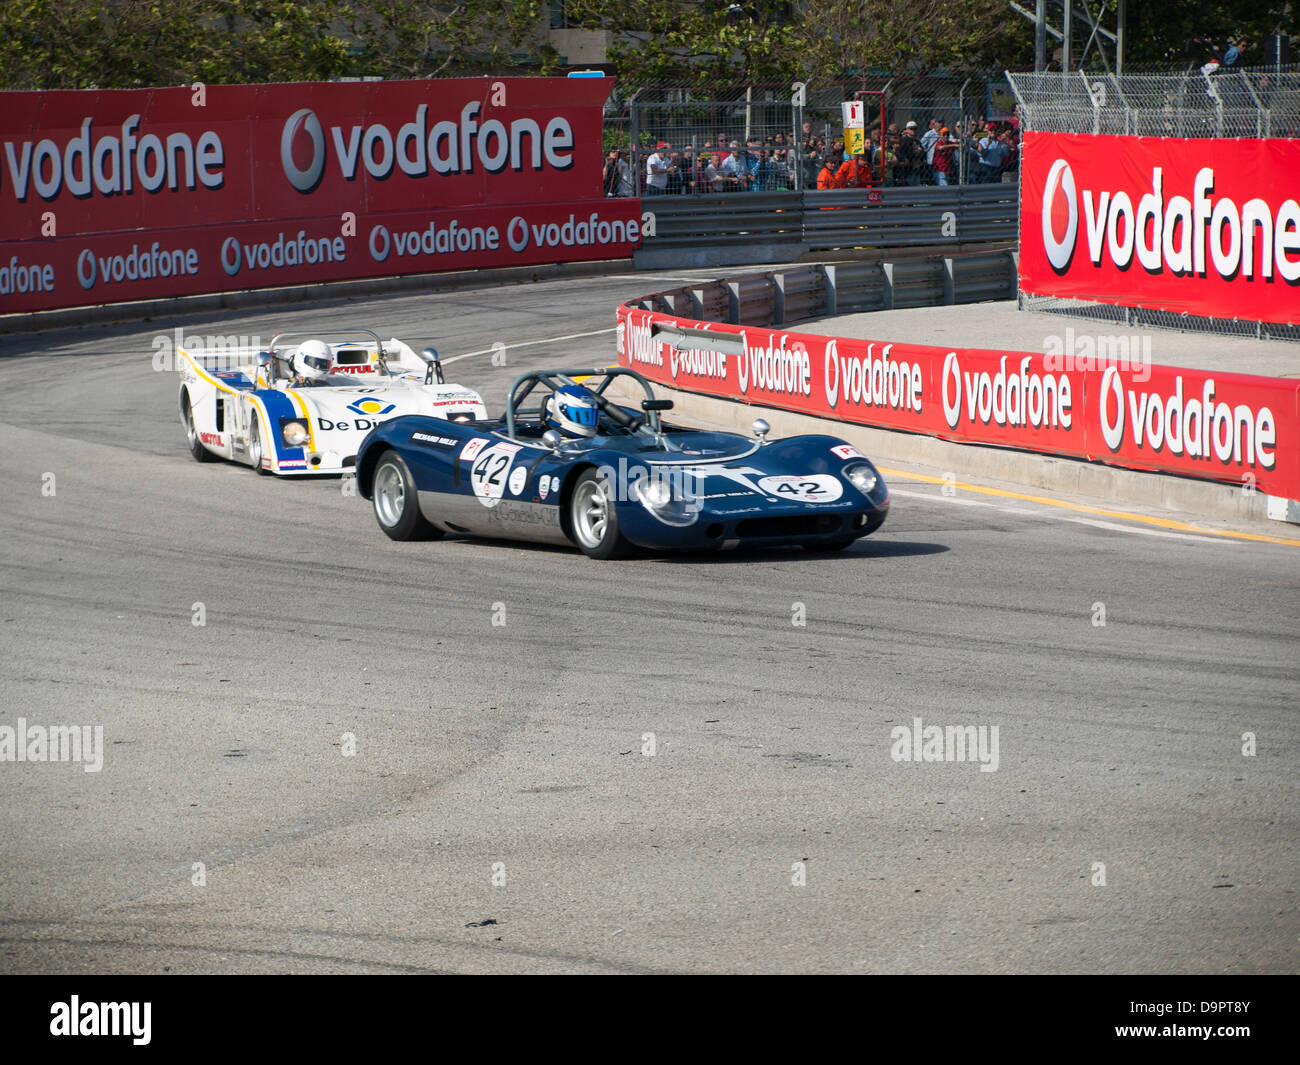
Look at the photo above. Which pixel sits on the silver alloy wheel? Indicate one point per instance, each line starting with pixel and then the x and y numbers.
pixel 255 443
pixel 389 495
pixel 191 433
pixel 590 513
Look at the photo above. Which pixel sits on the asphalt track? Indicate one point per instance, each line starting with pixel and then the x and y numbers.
pixel 500 814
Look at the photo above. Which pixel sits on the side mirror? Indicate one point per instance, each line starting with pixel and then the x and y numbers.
pixel 761 429
pixel 552 439
pixel 656 404
pixel 434 371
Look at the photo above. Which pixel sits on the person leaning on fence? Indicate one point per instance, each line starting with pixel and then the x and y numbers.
pixel 910 167
pixel 706 176
pixel 656 170
pixel 855 172
pixel 735 169
pixel 762 171
pixel 890 157
pixel 811 164
pixel 610 178
pixel 944 166
pixel 929 139
pixel 992 154
pixel 826 177
pixel 626 186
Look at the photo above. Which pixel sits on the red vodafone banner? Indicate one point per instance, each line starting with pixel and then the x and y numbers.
pixel 143 193
pixel 152 263
pixel 1221 427
pixel 1218 427
pixel 1206 227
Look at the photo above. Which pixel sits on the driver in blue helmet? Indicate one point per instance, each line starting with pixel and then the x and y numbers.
pixel 574 412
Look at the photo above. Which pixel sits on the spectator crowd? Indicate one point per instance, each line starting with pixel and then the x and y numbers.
pixel 906 157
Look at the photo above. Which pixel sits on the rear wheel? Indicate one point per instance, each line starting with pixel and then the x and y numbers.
pixel 593 517
pixel 397 502
pixel 197 450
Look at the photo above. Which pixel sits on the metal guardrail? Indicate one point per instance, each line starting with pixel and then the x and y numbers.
pixel 778 297
pixel 767 226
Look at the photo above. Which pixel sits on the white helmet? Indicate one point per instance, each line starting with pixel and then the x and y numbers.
pixel 573 411
pixel 313 360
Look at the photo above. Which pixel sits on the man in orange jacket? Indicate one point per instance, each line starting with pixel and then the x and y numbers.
pixel 856 173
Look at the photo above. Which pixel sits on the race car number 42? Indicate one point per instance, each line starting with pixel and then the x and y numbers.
pixel 489 473
pixel 813 488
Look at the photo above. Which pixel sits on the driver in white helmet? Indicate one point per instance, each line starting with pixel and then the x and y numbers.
pixel 574 412
pixel 312 363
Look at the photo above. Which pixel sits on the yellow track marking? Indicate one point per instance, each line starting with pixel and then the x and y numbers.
pixel 1163 523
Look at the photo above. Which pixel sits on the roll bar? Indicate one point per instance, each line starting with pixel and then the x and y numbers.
pixel 557 379
pixel 316 334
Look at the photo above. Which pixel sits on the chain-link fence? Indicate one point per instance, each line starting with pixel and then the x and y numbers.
pixel 1193 103
pixel 786 133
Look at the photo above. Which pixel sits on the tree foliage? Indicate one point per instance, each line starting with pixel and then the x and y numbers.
pixel 47 44
pixel 1183 32
pixel 404 39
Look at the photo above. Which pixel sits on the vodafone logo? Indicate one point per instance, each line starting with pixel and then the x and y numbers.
pixel 1180 228
pixel 303 129
pixel 1060 216
pixel 423 147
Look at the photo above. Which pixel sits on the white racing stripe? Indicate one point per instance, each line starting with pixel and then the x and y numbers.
pixel 527 344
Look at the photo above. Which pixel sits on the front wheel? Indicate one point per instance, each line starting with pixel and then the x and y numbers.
pixel 197 450
pixel 593 517
pixel 397 502
pixel 256 443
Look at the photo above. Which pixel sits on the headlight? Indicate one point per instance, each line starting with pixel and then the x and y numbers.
pixel 295 434
pixel 670 502
pixel 862 477
pixel 656 493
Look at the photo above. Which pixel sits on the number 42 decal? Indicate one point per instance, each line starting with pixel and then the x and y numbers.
pixel 813 488
pixel 489 472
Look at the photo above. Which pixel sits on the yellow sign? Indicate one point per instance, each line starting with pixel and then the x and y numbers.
pixel 854 143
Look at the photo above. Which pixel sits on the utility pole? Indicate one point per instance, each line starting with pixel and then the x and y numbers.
pixel 1040 36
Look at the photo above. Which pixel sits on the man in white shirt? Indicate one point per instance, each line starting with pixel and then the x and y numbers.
pixel 929 139
pixel 656 170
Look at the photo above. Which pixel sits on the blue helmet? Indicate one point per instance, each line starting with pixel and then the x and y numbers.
pixel 573 411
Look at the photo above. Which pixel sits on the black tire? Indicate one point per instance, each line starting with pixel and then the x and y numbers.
pixel 593 518
pixel 197 451
pixel 396 501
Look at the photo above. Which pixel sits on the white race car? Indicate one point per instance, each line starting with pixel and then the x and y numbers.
pixel 247 405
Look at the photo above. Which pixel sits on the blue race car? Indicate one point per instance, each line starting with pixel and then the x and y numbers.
pixel 570 465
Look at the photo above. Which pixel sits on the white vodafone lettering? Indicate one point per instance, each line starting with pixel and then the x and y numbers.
pixel 1018 399
pixel 1169 230
pixel 775 368
pixel 641 344
pixel 112 165
pixel 698 362
pixel 1199 428
pixel 136 265
pixel 873 381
